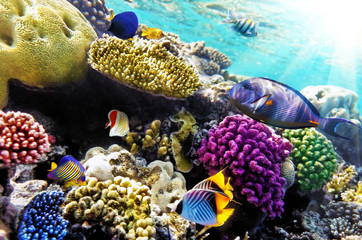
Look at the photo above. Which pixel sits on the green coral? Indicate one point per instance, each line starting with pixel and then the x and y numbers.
pixel 123 205
pixel 42 43
pixel 144 65
pixel 188 128
pixel 314 156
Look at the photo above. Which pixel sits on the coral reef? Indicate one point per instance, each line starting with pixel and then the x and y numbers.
pixel 314 156
pixel 22 139
pixel 7 215
pixel 188 128
pixel 166 185
pixel 152 142
pixel 213 55
pixel 251 154
pixel 353 194
pixel 333 101
pixel 143 65
pixel 123 205
pixel 287 171
pixel 52 36
pixel 107 164
pixel 96 13
pixel 42 218
pixel 341 219
pixel 340 180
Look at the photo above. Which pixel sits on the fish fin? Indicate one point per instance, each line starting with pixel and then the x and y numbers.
pixel 145 32
pixel 223 216
pixel 339 127
pixel 53 166
pixel 229 189
pixel 218 179
pixel 70 183
pixel 221 201
pixel 202 231
pixel 260 102
pixel 110 17
pixel 313 122
pixel 230 18
pixel 65 159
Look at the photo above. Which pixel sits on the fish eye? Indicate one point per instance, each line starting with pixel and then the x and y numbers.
pixel 248 86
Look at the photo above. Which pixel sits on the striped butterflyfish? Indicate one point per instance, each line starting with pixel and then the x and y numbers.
pixel 244 25
pixel 69 170
pixel 205 203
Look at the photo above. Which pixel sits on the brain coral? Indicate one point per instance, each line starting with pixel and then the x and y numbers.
pixel 42 219
pixel 122 204
pixel 143 65
pixel 22 139
pixel 42 43
pixel 315 157
pixel 251 154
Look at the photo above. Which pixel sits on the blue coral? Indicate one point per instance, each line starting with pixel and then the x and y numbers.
pixel 42 218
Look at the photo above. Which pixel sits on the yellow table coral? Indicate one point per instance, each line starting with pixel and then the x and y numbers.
pixel 42 43
pixel 144 65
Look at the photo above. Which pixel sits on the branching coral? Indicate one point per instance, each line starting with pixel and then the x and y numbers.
pixel 251 154
pixel 42 43
pixel 315 157
pixel 353 194
pixel 188 128
pixel 143 65
pixel 42 219
pixel 96 13
pixel 122 205
pixel 22 139
pixel 340 181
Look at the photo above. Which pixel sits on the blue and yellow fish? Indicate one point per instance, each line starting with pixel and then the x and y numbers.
pixel 69 170
pixel 243 25
pixel 123 25
pixel 205 203
pixel 277 104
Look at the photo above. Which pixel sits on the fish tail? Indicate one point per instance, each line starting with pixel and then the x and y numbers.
pixel 53 166
pixel 339 127
pixel 230 18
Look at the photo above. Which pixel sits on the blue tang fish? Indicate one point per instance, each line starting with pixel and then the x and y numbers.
pixel 205 203
pixel 69 170
pixel 124 25
pixel 277 104
pixel 243 25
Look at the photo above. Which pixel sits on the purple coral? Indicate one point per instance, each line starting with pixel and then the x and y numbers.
pixel 253 154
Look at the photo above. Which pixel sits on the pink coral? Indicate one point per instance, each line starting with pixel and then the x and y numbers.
pixel 22 139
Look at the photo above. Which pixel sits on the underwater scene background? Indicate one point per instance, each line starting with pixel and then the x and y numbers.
pixel 180 120
pixel 299 42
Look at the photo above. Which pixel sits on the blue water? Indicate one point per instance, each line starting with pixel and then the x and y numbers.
pixel 300 42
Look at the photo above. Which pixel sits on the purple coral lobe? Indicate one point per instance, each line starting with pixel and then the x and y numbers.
pixel 252 153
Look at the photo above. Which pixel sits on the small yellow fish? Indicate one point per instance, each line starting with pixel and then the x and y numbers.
pixel 152 33
pixel 110 17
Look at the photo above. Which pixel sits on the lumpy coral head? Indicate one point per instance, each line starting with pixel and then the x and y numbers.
pixel 251 154
pixel 22 139
pixel 42 43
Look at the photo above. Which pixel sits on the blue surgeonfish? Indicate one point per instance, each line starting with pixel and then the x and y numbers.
pixel 243 25
pixel 279 105
pixel 205 203
pixel 69 170
pixel 123 25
